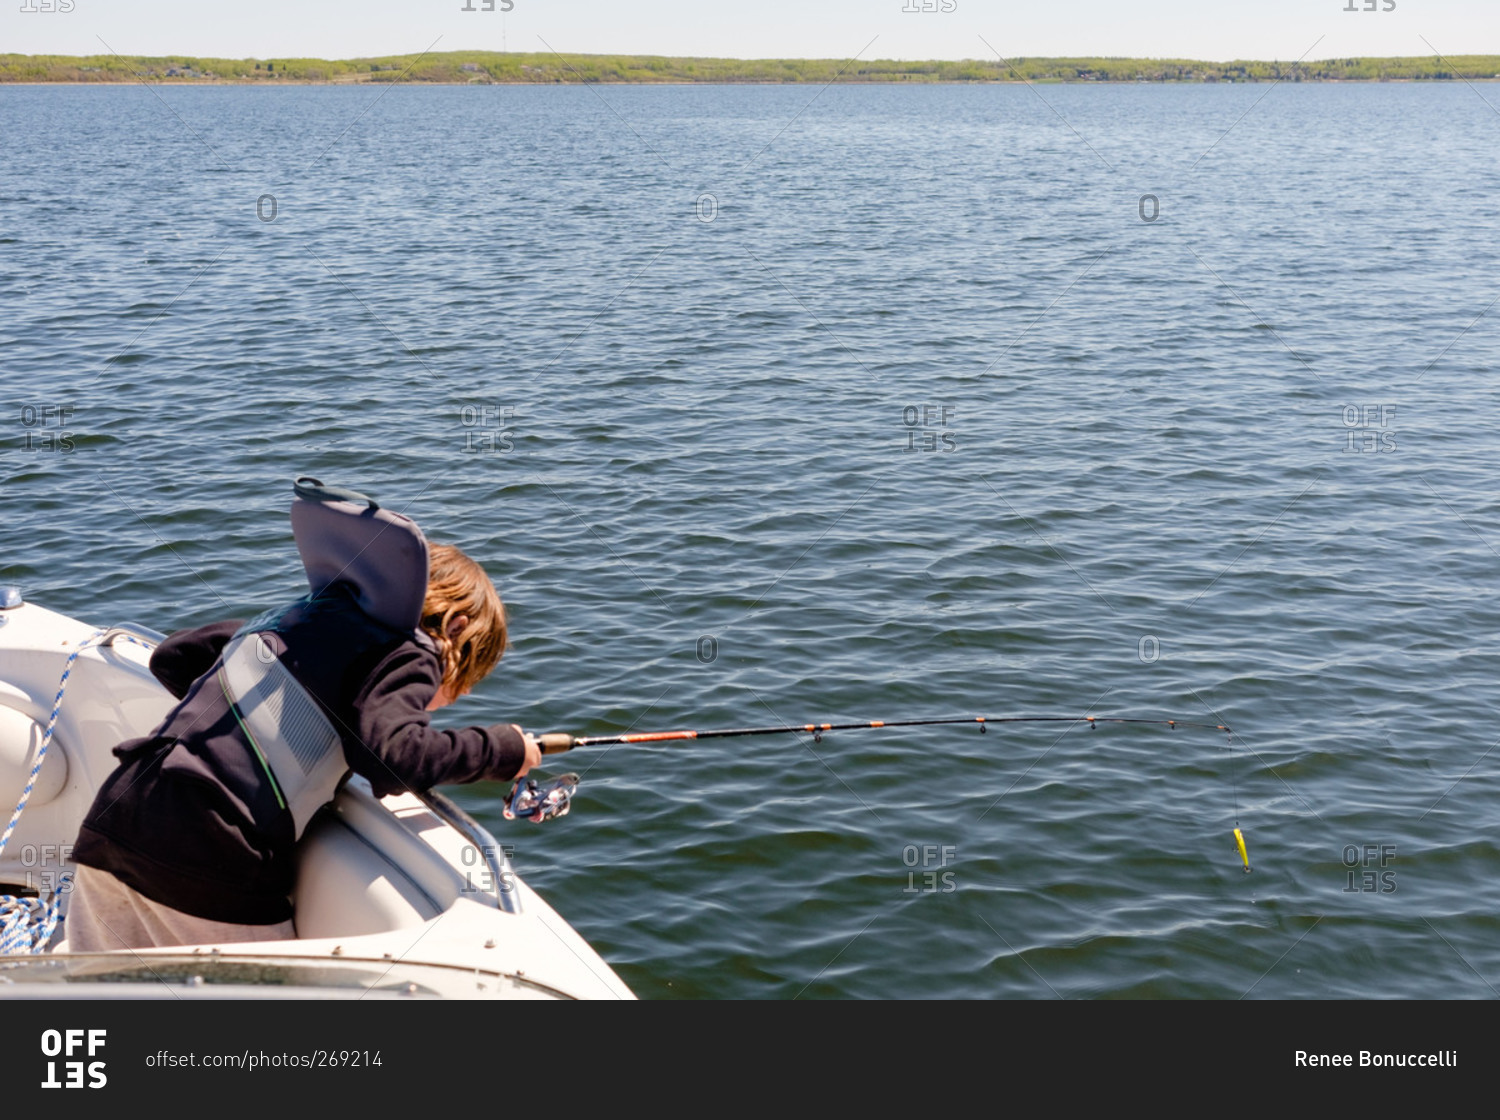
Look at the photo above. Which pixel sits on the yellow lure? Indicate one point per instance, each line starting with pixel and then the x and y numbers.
pixel 1239 840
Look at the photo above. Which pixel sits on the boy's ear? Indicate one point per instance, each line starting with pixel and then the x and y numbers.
pixel 456 626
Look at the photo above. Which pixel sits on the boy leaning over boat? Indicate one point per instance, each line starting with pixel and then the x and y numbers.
pixel 192 839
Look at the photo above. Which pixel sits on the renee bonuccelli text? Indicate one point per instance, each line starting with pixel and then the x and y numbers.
pixel 1443 1058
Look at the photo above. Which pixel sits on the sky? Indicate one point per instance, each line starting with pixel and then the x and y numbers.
pixel 1213 30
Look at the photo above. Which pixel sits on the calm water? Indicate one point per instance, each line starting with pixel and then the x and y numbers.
pixel 658 357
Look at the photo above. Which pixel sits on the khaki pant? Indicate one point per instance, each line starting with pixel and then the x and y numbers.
pixel 103 914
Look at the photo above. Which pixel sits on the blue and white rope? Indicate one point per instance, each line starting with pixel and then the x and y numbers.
pixel 27 924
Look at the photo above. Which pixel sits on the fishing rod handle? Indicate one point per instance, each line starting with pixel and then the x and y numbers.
pixel 555 742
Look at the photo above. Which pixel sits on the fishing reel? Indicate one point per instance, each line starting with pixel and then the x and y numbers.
pixel 541 801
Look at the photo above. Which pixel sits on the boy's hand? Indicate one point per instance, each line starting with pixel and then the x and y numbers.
pixel 533 751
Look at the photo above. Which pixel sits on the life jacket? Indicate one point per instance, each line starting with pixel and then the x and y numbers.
pixel 380 559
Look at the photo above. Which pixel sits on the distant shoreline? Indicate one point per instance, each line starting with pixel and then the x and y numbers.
pixel 505 68
pixel 292 83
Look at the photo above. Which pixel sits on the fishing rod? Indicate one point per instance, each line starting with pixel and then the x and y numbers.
pixel 557 742
pixel 539 802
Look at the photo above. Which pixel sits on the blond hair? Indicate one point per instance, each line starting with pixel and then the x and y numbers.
pixel 457 586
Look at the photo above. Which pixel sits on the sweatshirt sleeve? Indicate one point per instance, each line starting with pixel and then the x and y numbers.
pixel 400 750
pixel 187 654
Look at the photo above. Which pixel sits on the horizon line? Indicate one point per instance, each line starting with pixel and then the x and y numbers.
pixel 164 55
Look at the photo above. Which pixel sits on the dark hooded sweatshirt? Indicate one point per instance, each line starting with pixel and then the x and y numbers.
pixel 189 818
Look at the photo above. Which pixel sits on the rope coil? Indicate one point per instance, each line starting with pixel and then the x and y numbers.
pixel 28 924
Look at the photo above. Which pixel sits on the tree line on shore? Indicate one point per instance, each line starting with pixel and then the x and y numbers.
pixel 484 67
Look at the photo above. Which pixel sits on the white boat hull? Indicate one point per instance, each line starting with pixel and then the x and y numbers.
pixel 396 896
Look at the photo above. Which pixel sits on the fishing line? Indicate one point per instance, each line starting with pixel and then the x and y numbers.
pixel 541 802
pixel 1239 837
